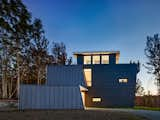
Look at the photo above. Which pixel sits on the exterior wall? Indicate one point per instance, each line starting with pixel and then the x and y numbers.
pixel 69 75
pixel 112 59
pixel 105 84
pixel 44 97
pixel 80 60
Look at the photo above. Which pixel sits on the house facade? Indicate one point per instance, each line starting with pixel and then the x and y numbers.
pixel 109 83
pixel 97 80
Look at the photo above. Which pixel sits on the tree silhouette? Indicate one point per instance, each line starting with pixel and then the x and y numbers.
pixel 139 89
pixel 24 49
pixel 39 51
pixel 15 33
pixel 152 51
pixel 59 53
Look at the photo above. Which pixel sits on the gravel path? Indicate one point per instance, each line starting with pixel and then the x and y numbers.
pixel 152 115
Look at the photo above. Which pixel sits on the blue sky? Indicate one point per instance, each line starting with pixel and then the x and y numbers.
pixel 101 25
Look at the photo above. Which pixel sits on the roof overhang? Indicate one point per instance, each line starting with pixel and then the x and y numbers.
pixel 96 53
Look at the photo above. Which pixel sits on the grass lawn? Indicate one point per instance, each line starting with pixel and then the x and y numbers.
pixel 147 108
pixel 67 115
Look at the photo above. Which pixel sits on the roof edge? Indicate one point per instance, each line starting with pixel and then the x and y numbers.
pixel 95 52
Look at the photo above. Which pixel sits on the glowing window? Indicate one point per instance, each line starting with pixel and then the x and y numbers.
pixel 96 99
pixel 124 80
pixel 87 59
pixel 88 77
pixel 96 59
pixel 105 59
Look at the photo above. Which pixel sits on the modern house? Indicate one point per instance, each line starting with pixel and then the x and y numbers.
pixel 98 80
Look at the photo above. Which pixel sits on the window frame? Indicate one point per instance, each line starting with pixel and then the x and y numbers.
pixel 95 59
pixel 88 83
pixel 102 59
pixel 123 80
pixel 96 99
pixel 84 61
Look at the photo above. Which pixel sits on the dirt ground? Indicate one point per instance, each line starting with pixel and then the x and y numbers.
pixel 66 115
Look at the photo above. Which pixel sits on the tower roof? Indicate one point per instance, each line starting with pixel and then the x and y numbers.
pixel 96 53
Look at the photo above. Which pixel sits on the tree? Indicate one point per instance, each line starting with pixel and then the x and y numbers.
pixel 59 53
pixel 152 51
pixel 139 88
pixel 5 30
pixel 15 36
pixel 69 61
pixel 23 48
pixel 39 53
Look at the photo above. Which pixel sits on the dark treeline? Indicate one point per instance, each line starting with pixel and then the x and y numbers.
pixel 24 51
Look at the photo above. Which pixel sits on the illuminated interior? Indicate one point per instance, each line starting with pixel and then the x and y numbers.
pixel 105 59
pixel 88 76
pixel 83 97
pixel 96 59
pixel 87 59
pixel 96 99
pixel 117 58
pixel 124 80
pixel 83 92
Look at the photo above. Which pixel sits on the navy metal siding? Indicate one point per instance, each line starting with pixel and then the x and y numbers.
pixel 111 97
pixel 103 75
pixel 71 75
pixel 80 59
pixel 112 58
pixel 105 84
pixel 44 97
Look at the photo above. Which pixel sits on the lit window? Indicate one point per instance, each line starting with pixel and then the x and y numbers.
pixel 88 77
pixel 96 99
pixel 105 59
pixel 87 59
pixel 125 80
pixel 96 59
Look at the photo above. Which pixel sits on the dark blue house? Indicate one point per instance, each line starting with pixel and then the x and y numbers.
pixel 97 80
pixel 109 83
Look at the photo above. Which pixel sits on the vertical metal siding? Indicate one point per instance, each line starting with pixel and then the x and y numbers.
pixel 45 97
pixel 106 85
pixel 71 75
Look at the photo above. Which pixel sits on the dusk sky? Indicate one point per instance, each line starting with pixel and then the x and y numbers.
pixel 101 25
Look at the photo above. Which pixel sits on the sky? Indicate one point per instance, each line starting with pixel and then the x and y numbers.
pixel 101 25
